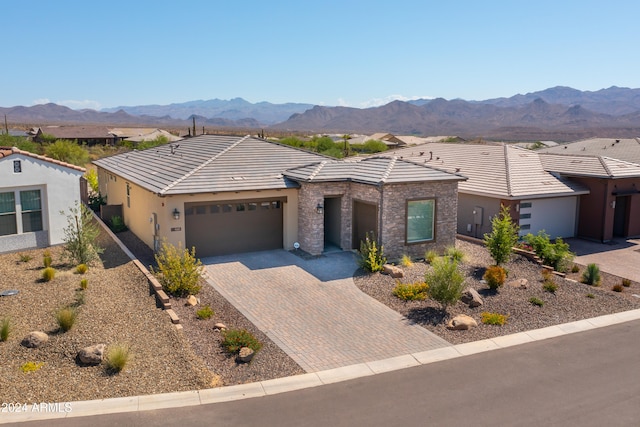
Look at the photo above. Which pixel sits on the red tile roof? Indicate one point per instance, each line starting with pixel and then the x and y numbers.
pixel 8 151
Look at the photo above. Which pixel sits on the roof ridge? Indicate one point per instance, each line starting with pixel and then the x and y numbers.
pixel 604 166
pixel 390 167
pixel 507 170
pixel 196 169
pixel 317 170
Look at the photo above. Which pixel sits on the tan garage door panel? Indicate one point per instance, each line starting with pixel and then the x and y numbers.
pixel 233 227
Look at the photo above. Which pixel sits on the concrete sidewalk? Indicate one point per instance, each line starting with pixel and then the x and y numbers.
pixel 312 309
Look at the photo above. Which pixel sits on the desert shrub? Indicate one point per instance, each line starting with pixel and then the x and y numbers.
pixel 371 257
pixel 575 268
pixel 68 151
pixel 48 274
pixel 66 317
pixel 592 296
pixel 546 274
pixel 494 318
pixel 81 268
pixel 178 270
pixel 5 329
pixel 46 261
pixel 456 255
pixel 536 301
pixel 430 255
pixel 92 179
pixel 80 236
pixel 95 201
pixel 406 261
pixel 556 255
pixel 84 284
pixel 626 283
pixel 503 236
pixel 25 257
pixel 591 275
pixel 235 339
pixel 80 297
pixel 117 224
pixel 445 281
pixel 411 291
pixel 205 312
pixel 550 286
pixel 46 252
pixel 117 358
pixel 617 288
pixel 495 277
pixel 31 366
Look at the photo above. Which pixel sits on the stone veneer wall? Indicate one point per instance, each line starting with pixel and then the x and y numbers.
pixel 391 201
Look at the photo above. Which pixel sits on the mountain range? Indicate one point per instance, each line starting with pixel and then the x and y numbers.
pixel 559 113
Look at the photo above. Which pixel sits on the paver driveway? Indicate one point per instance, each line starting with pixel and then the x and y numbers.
pixel 620 256
pixel 313 310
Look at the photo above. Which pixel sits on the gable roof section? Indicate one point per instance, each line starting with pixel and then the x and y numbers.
pixel 589 166
pixel 209 163
pixel 8 151
pixel 627 149
pixel 503 171
pixel 378 170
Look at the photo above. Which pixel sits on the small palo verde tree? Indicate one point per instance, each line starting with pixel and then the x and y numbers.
pixel 80 236
pixel 503 236
pixel 178 270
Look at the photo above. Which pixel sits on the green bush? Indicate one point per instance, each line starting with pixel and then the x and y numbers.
pixel 25 257
pixel 406 261
pixel 617 288
pixel 575 268
pixel 68 151
pixel 205 312
pixel 374 146
pixel 235 339
pixel 556 255
pixel 66 317
pixel 92 179
pixel 550 286
pixel 82 268
pixel 430 255
pixel 178 270
pixel 411 291
pixel 445 281
pixel 84 284
pixel 117 358
pixel 592 296
pixel 591 275
pixel 626 283
pixel 503 236
pixel 456 255
pixel 46 261
pixel 117 224
pixel 536 301
pixel 371 257
pixel 495 277
pixel 48 274
pixel 5 329
pixel 494 318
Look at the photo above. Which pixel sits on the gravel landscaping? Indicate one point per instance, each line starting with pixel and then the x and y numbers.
pixel 569 303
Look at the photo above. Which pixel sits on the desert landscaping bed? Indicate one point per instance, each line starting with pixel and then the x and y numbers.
pixel 569 303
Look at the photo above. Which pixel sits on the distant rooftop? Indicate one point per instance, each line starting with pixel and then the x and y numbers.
pixel 622 149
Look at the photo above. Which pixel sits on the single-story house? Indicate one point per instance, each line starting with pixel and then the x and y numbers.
pixel 626 149
pixel 504 175
pixel 230 194
pixel 142 134
pixel 90 135
pixel 33 191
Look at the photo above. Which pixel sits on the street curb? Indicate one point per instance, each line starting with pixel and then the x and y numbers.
pixel 282 385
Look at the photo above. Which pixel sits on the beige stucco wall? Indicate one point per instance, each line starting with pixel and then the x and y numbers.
pixel 138 216
pixel 467 203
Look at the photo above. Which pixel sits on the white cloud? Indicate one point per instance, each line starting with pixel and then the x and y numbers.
pixel 376 102
pixel 41 101
pixel 342 103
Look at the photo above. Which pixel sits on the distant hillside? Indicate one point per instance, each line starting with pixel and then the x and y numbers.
pixel 233 109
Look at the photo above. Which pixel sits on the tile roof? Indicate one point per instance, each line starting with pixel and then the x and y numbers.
pixel 74 132
pixel 627 150
pixel 503 171
pixel 210 163
pixel 8 151
pixel 378 170
pixel 594 166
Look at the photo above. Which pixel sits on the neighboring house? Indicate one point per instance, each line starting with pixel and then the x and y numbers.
pixel 229 194
pixel 90 135
pixel 627 149
pixel 504 175
pixel 612 207
pixel 33 191
pixel 142 134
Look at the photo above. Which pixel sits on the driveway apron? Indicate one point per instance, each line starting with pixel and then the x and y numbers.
pixel 313 310
pixel 620 256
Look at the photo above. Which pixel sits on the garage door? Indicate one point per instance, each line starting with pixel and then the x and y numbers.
pixel 221 228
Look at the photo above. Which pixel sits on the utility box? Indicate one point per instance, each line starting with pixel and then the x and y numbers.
pixel 478 215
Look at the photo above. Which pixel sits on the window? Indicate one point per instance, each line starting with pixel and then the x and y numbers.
pixel 31 210
pixel 525 205
pixel 525 227
pixel 8 214
pixel 420 220
pixel 525 216
pixel 128 195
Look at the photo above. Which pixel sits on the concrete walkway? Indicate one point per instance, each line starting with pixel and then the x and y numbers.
pixel 620 257
pixel 313 310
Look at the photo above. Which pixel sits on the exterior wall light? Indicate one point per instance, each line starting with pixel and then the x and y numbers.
pixel 176 213
pixel 320 209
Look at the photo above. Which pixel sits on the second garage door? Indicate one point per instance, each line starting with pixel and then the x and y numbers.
pixel 222 228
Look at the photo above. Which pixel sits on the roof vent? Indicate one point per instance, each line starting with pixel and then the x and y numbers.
pixel 565 147
pixel 617 141
pixel 421 153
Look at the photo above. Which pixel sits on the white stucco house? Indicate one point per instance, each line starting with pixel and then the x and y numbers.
pixel 33 191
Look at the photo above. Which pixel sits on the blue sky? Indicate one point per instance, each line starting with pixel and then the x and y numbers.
pixel 99 54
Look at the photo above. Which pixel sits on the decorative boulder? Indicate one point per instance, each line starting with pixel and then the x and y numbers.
pixel 245 355
pixel 92 355
pixel 519 283
pixel 471 297
pixel 462 322
pixel 35 339
pixel 220 326
pixel 393 271
pixel 192 300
